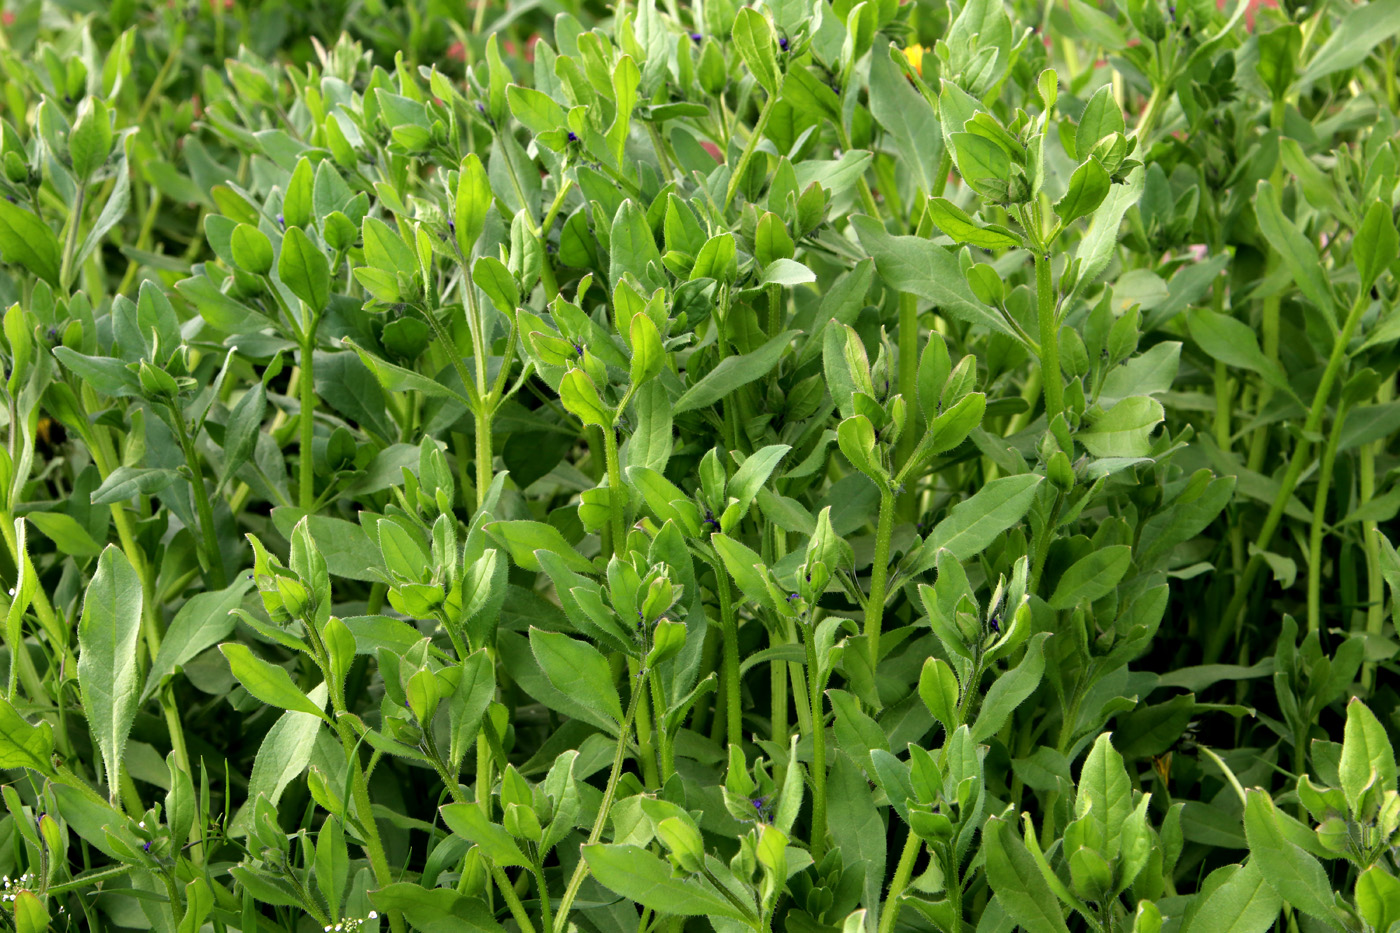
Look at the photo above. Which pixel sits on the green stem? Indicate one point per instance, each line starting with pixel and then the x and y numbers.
pixel 1319 516
pixel 879 571
pixel 484 456
pixel 517 909
pixel 1296 463
pixel 645 751
pixel 581 870
pixel 902 874
pixel 1375 581
pixel 750 148
pixel 364 813
pixel 216 578
pixel 817 843
pixel 546 923
pixel 70 242
pixel 909 389
pixel 1049 338
pixel 729 634
pixel 306 488
pixel 617 522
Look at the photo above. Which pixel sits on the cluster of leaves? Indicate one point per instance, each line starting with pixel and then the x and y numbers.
pixel 803 466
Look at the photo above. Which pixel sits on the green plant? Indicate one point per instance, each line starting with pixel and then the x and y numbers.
pixel 790 467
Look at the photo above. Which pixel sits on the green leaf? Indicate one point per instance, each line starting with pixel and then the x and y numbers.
pixel 920 267
pixel 268 682
pixel 1092 577
pixel 639 876
pixel 28 241
pixel 1295 875
pixel 22 744
pixel 1362 29
pixel 64 531
pixel 1088 186
pixel 753 37
pixel 440 910
pixel 495 279
pixel 975 522
pixel 577 669
pixel 252 250
pixel 1099 244
pixel 201 623
pixel 1017 881
pixel 473 200
pixel 385 249
pixel 786 272
pixel 523 538
pixel 90 141
pixel 1279 50
pixel 1101 116
pixel 1124 430
pixel 648 355
pixel 1105 795
pixel 716 259
pixel 984 165
pixel 304 269
pixel 906 116
pixel 955 222
pixel 467 821
pixel 1377 898
pixel 1011 689
pixel 1243 904
pixel 282 757
pixel 856 827
pixel 753 473
pixel 109 670
pixel 1376 244
pixel 625 78
pixel 1297 253
pixel 938 688
pixel 1367 756
pixel 733 372
pixel 1233 343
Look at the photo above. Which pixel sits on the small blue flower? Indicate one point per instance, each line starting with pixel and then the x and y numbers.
pixel 696 37
pixel 281 221
pixel 783 43
pixel 573 137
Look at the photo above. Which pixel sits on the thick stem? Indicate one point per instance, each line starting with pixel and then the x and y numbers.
pixel 729 635
pixel 1375 581
pixel 216 578
pixel 645 750
pixel 817 844
pixel 581 870
pixel 902 874
pixel 306 424
pixel 517 909
pixel 1049 338
pixel 1319 516
pixel 1296 463
pixel 364 813
pixel 750 148
pixel 484 457
pixel 617 523
pixel 70 242
pixel 879 570
pixel 909 389
pixel 546 922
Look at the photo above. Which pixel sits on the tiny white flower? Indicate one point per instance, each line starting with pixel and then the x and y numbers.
pixel 373 915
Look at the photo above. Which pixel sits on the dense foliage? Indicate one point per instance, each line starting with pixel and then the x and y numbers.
pixel 809 467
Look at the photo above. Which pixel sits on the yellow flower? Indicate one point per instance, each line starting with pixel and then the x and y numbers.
pixel 915 55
